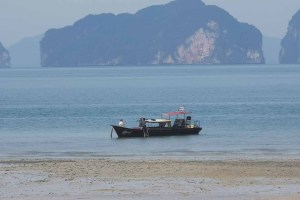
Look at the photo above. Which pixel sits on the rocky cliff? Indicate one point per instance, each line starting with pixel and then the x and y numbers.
pixel 4 57
pixel 290 44
pixel 180 32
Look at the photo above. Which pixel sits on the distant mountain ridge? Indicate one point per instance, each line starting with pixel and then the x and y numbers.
pixel 4 57
pixel 26 52
pixel 290 44
pixel 180 32
pixel 271 49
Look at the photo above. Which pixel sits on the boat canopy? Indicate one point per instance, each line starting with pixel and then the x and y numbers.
pixel 176 113
pixel 157 121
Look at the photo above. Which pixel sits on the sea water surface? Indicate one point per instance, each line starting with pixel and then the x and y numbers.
pixel 251 110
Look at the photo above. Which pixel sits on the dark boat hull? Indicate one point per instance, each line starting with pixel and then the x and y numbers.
pixel 123 132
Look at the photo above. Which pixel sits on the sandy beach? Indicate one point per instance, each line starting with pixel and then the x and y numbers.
pixel 161 178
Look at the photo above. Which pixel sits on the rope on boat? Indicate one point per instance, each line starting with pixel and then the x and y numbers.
pixel 112 129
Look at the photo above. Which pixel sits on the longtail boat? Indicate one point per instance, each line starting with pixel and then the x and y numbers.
pixel 182 125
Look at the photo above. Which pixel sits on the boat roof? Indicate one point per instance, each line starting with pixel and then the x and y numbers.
pixel 157 120
pixel 176 113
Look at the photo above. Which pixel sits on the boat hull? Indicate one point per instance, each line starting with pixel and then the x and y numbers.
pixel 123 132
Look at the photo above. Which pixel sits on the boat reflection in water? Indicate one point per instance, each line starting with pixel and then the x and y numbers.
pixel 183 125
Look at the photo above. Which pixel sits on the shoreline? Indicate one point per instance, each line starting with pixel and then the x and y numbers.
pixel 143 178
pixel 183 157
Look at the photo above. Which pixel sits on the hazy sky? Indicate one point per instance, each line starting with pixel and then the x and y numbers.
pixel 26 18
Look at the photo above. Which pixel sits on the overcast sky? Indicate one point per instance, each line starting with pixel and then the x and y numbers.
pixel 26 18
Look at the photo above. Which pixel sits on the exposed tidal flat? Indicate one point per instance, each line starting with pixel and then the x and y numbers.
pixel 149 179
pixel 55 133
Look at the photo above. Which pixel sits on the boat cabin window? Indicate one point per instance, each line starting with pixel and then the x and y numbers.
pixel 165 124
pixel 179 123
pixel 159 124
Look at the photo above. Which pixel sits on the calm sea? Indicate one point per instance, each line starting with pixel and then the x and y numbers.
pixel 67 112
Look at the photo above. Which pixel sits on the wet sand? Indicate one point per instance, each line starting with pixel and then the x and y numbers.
pixel 160 178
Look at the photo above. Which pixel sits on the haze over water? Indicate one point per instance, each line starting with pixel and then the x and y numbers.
pixel 244 110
